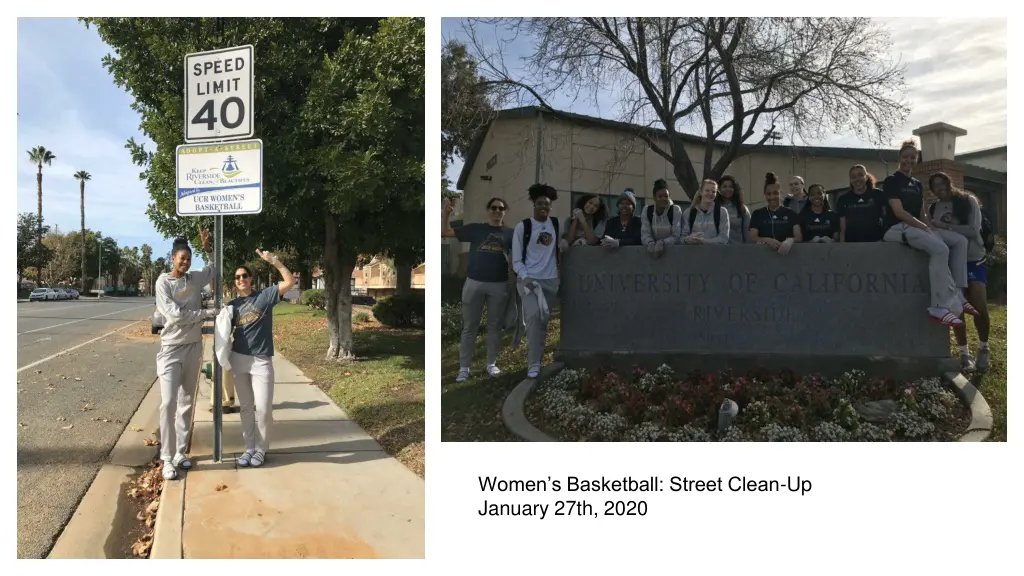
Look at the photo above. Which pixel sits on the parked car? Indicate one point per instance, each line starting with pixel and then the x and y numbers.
pixel 41 294
pixel 74 294
pixel 61 294
pixel 364 300
pixel 157 320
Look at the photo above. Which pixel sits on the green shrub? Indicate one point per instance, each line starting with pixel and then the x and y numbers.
pixel 315 299
pixel 996 264
pixel 361 317
pixel 401 311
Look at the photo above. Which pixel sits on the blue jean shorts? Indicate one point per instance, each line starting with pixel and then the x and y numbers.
pixel 976 272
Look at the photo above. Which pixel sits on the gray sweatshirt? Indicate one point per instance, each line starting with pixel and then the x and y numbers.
pixel 737 225
pixel 970 229
pixel 660 228
pixel 180 301
pixel 704 223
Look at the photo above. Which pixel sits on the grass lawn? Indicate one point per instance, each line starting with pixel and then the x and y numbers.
pixel 992 384
pixel 471 410
pixel 382 390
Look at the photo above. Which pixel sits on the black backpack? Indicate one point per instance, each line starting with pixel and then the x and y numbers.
pixel 988 235
pixel 650 214
pixel 693 215
pixel 528 230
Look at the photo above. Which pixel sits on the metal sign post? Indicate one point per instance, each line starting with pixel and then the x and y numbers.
pixel 217 173
pixel 218 382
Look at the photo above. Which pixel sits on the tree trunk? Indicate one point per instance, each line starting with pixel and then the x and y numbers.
pixel 403 278
pixel 338 267
pixel 82 188
pixel 39 222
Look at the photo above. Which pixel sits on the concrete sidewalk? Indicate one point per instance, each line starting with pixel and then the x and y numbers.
pixel 327 489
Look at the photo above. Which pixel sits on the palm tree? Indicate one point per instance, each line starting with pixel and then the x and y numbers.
pixel 39 156
pixel 82 176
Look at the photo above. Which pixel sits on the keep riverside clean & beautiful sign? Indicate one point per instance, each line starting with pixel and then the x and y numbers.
pixel 220 179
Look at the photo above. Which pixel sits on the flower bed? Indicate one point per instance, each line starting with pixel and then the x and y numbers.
pixel 602 405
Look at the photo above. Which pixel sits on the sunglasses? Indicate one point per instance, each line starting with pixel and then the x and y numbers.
pixel 241 277
pixel 497 208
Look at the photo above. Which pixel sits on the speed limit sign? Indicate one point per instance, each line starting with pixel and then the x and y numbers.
pixel 218 94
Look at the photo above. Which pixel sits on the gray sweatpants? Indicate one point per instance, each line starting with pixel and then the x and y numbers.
pixel 177 366
pixel 254 384
pixel 474 295
pixel 536 329
pixel 947 262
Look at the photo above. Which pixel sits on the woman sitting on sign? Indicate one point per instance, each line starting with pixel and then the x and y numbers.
pixel 624 229
pixel 252 357
pixel 588 221
pixel 817 222
pixel 908 222
pixel 705 222
pixel 774 225
pixel 660 223
pixel 958 211
pixel 730 196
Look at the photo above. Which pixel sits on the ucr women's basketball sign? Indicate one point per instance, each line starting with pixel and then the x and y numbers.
pixel 219 94
pixel 220 179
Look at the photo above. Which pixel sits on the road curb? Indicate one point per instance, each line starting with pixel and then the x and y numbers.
pixel 92 522
pixel 513 410
pixel 980 428
pixel 87 532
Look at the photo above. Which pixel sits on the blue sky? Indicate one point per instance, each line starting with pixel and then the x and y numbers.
pixel 956 73
pixel 68 103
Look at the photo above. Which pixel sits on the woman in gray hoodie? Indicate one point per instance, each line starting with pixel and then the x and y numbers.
pixel 660 223
pixel 705 222
pixel 730 196
pixel 958 211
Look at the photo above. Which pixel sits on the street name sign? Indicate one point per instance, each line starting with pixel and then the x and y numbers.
pixel 219 94
pixel 221 179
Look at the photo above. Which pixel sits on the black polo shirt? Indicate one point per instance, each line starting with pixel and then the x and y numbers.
pixel 907 190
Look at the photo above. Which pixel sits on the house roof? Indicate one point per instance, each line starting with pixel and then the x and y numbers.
pixel 979 153
pixel 526 112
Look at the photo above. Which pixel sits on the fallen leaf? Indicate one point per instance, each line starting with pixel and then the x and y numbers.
pixel 85 408
pixel 61 419
pixel 22 424
pixel 78 379
pixel 259 514
pixel 39 371
pixel 135 429
pixel 150 442
pixel 221 487
pixel 68 427
pixel 109 374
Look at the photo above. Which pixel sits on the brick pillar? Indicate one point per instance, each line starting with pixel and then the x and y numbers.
pixel 924 171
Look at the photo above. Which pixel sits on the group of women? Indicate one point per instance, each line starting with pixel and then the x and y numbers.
pixel 179 300
pixel 944 223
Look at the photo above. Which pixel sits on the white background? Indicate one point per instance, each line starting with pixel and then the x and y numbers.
pixel 902 509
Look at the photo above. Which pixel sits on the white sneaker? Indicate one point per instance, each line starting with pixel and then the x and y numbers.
pixel 463 375
pixel 493 370
pixel 534 371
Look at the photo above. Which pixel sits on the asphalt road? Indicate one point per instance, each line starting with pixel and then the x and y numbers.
pixel 78 386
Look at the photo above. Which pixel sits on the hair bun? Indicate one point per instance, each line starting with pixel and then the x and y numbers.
pixel 770 178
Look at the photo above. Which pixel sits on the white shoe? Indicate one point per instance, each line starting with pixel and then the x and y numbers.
pixel 170 472
pixel 463 375
pixel 493 371
pixel 534 371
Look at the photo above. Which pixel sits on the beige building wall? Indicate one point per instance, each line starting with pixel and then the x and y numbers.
pixel 600 160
